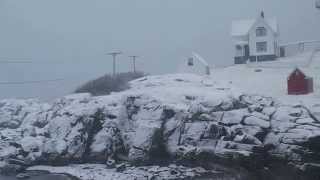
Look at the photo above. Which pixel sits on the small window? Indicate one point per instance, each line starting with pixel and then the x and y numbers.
pixel 261 46
pixel 239 48
pixel 190 62
pixel 261 31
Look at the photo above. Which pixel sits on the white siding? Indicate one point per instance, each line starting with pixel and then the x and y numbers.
pixel 197 67
pixel 269 38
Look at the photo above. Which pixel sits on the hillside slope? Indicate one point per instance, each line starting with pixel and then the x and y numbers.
pixel 270 78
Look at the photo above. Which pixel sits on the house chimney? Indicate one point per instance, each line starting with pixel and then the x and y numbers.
pixel 262 14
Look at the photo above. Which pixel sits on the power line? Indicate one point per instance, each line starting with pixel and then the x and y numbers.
pixel 30 82
pixel 12 60
pixel 15 58
pixel 16 62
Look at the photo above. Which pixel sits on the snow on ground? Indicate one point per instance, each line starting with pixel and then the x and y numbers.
pixel 173 89
pixel 270 78
pixel 84 172
pixel 101 172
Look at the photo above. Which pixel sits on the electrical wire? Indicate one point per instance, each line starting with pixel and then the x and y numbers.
pixel 15 62
pixel 30 82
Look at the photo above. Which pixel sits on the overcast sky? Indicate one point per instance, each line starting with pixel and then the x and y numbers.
pixel 69 38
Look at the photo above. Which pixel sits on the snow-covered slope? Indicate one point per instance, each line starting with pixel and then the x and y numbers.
pixel 270 78
pixel 178 118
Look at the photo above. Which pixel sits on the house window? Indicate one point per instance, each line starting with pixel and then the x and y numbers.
pixel 261 46
pixel 190 62
pixel 261 31
pixel 239 50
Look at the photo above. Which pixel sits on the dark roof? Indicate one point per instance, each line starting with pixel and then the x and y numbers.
pixel 297 70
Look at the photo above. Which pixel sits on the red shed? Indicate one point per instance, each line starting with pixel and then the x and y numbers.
pixel 299 83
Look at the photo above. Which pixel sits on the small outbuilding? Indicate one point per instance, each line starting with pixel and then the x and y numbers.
pixel 299 83
pixel 195 64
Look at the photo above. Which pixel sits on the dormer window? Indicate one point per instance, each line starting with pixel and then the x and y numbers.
pixel 261 31
pixel 190 62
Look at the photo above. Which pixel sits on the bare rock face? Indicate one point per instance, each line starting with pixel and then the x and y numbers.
pixel 174 117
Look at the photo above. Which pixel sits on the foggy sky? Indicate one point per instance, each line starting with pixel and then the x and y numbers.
pixel 69 38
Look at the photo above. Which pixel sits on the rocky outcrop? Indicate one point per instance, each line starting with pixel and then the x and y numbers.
pixel 182 118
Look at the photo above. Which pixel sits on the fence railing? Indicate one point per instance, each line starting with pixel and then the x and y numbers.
pixel 296 48
pixel 299 54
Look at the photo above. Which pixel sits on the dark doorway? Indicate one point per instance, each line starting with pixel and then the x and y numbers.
pixel 246 51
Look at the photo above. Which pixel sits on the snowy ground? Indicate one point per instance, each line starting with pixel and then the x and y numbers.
pixel 100 172
pixel 272 80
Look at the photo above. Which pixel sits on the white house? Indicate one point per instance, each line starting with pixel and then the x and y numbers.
pixel 195 65
pixel 255 40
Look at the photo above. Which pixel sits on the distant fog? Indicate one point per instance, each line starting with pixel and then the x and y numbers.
pixel 69 39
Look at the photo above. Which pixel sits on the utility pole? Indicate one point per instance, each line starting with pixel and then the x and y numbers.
pixel 134 62
pixel 114 55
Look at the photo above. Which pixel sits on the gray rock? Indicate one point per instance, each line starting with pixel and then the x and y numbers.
pixel 255 121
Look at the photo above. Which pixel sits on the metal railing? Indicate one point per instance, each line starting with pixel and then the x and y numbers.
pixel 298 54
pixel 296 48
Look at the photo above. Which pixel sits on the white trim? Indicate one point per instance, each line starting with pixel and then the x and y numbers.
pixel 260 19
pixel 242 28
pixel 241 43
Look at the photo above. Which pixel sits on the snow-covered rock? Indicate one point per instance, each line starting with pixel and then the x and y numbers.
pixel 100 172
pixel 171 117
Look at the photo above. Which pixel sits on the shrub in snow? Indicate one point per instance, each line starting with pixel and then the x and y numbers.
pixel 108 83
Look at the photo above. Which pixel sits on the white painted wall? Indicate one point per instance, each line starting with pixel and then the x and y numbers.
pixel 197 68
pixel 270 38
